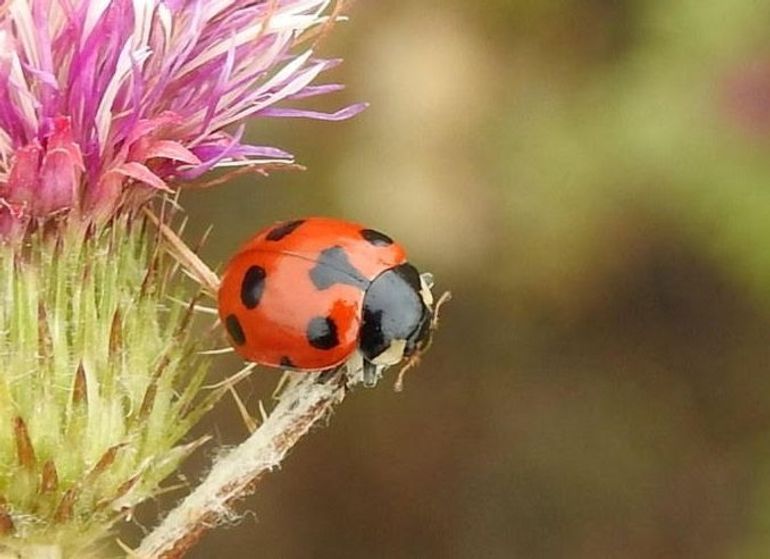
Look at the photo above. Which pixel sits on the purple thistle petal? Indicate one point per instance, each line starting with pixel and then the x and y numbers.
pixel 342 114
pixel 168 149
pixel 230 152
pixel 101 95
pixel 226 150
pixel 315 90
pixel 208 152
pixel 142 174
pixel 219 88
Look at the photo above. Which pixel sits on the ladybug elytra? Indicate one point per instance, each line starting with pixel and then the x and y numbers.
pixel 308 294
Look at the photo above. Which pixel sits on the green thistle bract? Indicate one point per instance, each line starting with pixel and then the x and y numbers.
pixel 98 384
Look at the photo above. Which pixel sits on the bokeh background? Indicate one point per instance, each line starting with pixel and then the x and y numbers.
pixel 591 178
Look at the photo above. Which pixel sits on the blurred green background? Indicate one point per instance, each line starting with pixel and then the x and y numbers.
pixel 592 181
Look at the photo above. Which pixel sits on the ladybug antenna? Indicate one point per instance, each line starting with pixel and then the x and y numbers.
pixel 414 360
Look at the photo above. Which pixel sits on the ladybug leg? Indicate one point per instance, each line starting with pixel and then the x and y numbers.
pixel 326 375
pixel 353 369
pixel 343 378
pixel 371 374
pixel 282 383
pixel 335 374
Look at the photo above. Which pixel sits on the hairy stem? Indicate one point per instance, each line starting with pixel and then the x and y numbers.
pixel 307 399
pixel 32 551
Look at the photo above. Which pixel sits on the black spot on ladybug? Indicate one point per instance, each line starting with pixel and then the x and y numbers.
pixel 376 238
pixel 322 333
pixel 234 329
pixel 287 362
pixel 252 286
pixel 333 266
pixel 279 232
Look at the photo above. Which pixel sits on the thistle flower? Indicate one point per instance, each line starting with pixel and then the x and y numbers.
pixel 103 105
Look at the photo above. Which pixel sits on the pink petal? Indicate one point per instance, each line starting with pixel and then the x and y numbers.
pixel 154 126
pixel 141 173
pixel 25 174
pixel 12 219
pixel 102 198
pixel 61 138
pixel 169 149
pixel 59 182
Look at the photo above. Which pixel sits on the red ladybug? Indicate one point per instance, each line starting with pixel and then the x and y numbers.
pixel 307 294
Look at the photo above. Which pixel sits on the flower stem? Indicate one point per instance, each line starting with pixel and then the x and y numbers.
pixel 307 399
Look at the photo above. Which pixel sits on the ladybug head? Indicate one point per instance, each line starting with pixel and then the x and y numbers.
pixel 398 319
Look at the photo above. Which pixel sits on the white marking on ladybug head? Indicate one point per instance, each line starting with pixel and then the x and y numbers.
pixel 426 284
pixel 394 354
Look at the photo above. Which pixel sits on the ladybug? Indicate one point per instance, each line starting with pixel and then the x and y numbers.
pixel 306 295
